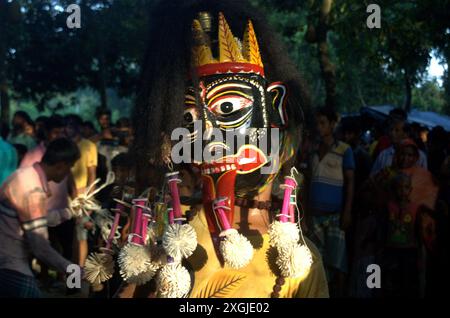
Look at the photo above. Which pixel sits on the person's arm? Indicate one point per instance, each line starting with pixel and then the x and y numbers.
pixel 91 175
pixel 348 165
pixel 57 216
pixel 71 186
pixel 92 164
pixel 37 239
pixel 33 219
pixel 422 162
pixel 346 217
pixel 315 284
pixel 377 165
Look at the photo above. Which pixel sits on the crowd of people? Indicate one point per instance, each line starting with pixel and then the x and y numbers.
pixel 28 152
pixel 381 202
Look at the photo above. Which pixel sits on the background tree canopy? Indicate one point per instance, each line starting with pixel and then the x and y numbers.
pixel 48 67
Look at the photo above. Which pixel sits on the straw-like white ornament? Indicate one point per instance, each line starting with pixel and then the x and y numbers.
pixel 294 260
pixel 235 248
pixel 99 267
pixel 179 240
pixel 136 264
pixel 283 233
pixel 85 202
pixel 173 281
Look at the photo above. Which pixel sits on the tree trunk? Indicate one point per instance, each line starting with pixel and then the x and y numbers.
pixel 408 92
pixel 4 102
pixel 318 34
pixel 328 74
pixel 446 82
pixel 360 96
pixel 102 83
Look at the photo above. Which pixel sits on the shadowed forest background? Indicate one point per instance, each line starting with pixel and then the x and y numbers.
pixel 45 67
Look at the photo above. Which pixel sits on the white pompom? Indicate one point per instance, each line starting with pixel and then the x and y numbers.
pixel 136 264
pixel 179 240
pixel 283 233
pixel 173 281
pixel 236 249
pixel 99 268
pixel 143 277
pixel 294 260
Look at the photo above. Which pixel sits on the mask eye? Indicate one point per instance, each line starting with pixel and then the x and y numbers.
pixel 190 115
pixel 228 105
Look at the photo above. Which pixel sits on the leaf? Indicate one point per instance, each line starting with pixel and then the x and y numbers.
pixel 221 285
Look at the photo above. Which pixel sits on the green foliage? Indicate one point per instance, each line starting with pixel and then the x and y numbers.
pixel 55 68
pixel 82 102
pixel 429 96
pixel 370 63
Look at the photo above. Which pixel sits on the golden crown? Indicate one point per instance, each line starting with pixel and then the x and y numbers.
pixel 234 56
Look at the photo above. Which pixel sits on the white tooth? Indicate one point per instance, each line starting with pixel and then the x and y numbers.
pixel 228 167
pixel 233 166
pixel 222 168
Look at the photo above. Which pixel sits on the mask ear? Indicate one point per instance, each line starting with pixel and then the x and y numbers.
pixel 278 92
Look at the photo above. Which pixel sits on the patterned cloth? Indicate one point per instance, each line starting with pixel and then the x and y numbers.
pixel 330 241
pixel 16 285
pixel 327 180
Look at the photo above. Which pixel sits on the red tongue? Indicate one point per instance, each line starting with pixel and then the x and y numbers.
pixel 223 187
pixel 249 159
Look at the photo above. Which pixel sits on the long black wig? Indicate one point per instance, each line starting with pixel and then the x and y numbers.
pixel 167 66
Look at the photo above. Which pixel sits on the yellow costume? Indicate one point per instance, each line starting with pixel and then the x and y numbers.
pixel 257 279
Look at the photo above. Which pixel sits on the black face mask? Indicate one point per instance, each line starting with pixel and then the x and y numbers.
pixel 242 108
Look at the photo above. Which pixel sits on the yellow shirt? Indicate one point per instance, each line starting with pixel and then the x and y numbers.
pixel 257 279
pixel 88 159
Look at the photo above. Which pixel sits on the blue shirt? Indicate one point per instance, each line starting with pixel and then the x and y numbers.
pixel 327 182
pixel 8 160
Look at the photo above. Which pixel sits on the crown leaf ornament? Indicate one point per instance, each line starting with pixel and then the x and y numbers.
pixel 234 57
pixel 251 48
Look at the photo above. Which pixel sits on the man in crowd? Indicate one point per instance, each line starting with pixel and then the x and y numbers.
pixel 24 219
pixel 331 197
pixel 52 129
pixel 84 174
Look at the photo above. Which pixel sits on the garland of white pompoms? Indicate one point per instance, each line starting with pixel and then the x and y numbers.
pixel 179 241
pixel 236 249
pixel 294 257
pixel 99 267
pixel 135 258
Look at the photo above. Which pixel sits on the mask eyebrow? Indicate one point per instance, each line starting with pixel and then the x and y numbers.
pixel 189 100
pixel 220 88
pixel 220 96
